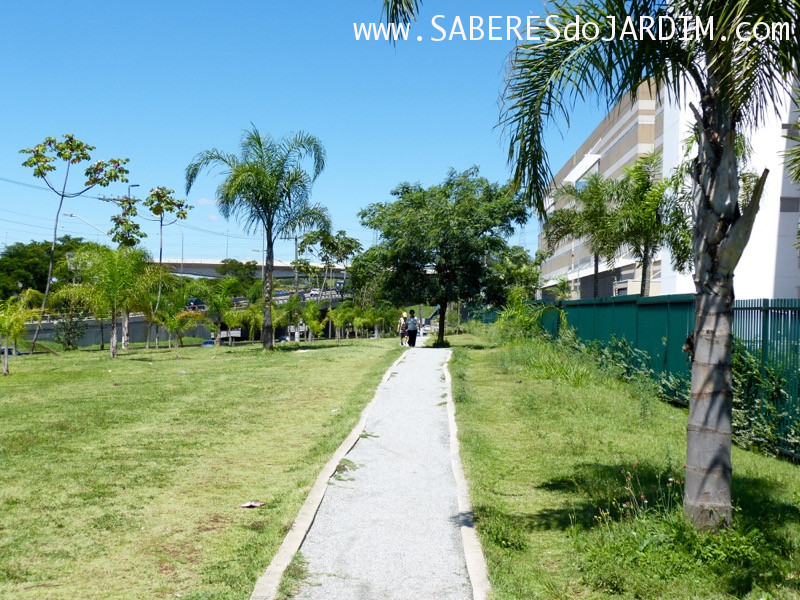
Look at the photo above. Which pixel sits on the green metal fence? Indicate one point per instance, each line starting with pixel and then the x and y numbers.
pixel 770 330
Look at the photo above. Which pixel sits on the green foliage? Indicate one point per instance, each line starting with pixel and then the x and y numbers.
pixel 245 273
pixel 72 152
pixel 24 266
pixel 268 188
pixel 509 268
pixel 70 327
pixel 434 241
pixel 760 403
pixel 522 318
pixel 640 543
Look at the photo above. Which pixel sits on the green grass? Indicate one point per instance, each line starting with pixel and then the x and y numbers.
pixel 553 449
pixel 122 478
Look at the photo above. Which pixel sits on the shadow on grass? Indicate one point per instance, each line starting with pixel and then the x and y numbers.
pixel 594 486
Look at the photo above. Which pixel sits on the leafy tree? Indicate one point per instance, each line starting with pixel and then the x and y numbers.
pixel 72 152
pixel 71 311
pixel 161 203
pixel 648 218
pixel 370 276
pixel 590 218
pixel 434 241
pixel 738 84
pixel 24 266
pixel 112 274
pixel 509 268
pixel 267 187
pixel 245 273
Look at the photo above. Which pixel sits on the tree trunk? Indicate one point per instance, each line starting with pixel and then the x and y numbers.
pixel 113 341
pixel 722 230
pixel 442 321
pixel 5 357
pixel 147 337
pixel 596 277
pixel 267 332
pixel 158 335
pixel 126 323
pixel 102 334
pixel 218 333
pixel 50 266
pixel 646 259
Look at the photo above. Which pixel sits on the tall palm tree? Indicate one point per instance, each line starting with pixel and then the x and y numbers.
pixel 590 218
pixel 268 188
pixel 738 85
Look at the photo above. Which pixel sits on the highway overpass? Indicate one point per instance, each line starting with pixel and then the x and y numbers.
pixel 203 267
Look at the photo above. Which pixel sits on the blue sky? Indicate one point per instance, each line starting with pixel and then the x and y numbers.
pixel 159 82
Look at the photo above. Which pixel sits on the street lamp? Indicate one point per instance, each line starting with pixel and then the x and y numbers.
pixel 74 216
pixel 131 185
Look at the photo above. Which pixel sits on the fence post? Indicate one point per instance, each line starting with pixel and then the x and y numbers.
pixel 764 336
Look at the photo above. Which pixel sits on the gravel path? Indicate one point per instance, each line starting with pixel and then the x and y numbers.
pixel 389 525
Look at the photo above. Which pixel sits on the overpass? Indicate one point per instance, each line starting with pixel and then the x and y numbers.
pixel 203 267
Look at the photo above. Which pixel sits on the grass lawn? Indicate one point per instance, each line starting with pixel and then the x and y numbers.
pixel 122 478
pixel 548 441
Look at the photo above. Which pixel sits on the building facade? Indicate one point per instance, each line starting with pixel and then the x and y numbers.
pixel 770 265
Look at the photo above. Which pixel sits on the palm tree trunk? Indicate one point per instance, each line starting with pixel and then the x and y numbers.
pixel 113 340
pixel 596 277
pixel 102 333
pixel 646 260
pixel 5 357
pixel 720 235
pixel 126 323
pixel 267 332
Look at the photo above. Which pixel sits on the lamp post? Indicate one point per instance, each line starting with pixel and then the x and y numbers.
pixel 74 216
pixel 132 185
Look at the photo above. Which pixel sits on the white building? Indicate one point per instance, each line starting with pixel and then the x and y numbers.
pixel 770 266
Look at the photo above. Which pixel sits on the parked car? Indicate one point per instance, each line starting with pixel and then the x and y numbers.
pixel 208 344
pixel 283 338
pixel 195 304
pixel 11 351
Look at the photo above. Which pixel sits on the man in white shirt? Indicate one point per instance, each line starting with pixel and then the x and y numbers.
pixel 413 326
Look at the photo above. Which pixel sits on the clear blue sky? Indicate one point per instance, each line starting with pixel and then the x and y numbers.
pixel 160 81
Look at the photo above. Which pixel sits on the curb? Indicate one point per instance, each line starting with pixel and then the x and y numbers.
pixel 266 587
pixel 473 552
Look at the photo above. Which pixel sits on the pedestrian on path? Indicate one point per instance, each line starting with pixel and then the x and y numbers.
pixel 402 327
pixel 413 326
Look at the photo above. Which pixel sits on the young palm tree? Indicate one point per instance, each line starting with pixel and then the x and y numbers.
pixel 267 188
pixel 590 218
pixel 112 274
pixel 738 84
pixel 15 312
pixel 649 218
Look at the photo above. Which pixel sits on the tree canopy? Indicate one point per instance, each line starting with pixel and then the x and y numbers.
pixel 435 241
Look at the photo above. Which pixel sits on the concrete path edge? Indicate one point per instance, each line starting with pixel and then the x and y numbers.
pixel 473 552
pixel 266 587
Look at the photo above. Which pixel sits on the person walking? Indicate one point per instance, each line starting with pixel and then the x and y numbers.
pixel 402 328
pixel 413 326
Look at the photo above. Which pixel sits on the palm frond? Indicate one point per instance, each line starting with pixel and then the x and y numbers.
pixel 401 11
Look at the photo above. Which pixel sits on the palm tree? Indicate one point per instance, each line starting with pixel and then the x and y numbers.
pixel 112 274
pixel 649 218
pixel 738 85
pixel 267 187
pixel 590 218
pixel 15 312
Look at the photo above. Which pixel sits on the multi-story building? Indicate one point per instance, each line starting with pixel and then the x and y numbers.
pixel 770 265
